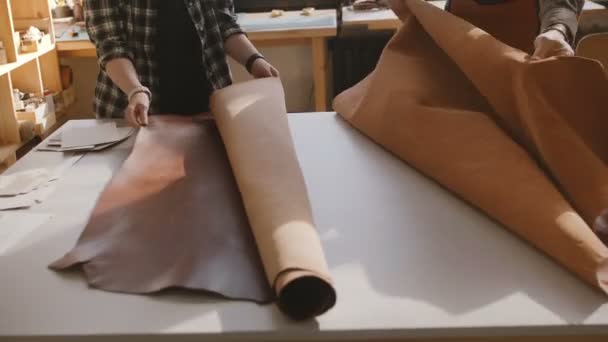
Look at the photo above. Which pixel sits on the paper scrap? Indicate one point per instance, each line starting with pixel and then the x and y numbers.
pixel 41 191
pixel 22 182
pixel 87 136
pixel 56 145
pixel 54 148
pixel 17 202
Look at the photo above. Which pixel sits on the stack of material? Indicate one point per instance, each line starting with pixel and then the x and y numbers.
pixel 17 190
pixel 84 139
pixel 24 189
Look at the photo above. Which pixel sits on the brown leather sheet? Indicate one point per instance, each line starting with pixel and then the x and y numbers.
pixel 174 216
pixel 171 216
pixel 524 141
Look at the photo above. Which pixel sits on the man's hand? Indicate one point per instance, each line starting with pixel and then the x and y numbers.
pixel 552 43
pixel 137 111
pixel 262 69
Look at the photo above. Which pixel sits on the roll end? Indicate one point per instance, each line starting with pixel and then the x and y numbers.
pixel 600 227
pixel 303 295
pixel 602 276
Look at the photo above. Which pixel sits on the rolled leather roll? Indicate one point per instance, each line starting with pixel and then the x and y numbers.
pixel 252 120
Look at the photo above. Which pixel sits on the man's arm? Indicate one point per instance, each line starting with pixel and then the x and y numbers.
pixel 561 14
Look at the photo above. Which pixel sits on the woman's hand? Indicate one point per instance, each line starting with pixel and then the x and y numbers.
pixel 241 50
pixel 551 43
pixel 262 69
pixel 137 111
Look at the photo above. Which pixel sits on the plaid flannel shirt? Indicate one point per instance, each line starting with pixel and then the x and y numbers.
pixel 127 29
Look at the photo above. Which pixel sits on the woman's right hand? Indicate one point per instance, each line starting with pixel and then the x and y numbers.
pixel 137 111
pixel 552 43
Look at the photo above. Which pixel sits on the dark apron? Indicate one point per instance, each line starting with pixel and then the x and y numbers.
pixel 514 22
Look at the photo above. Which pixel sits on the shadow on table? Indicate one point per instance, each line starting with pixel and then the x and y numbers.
pixel 433 248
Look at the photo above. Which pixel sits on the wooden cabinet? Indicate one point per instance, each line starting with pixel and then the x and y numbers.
pixel 34 69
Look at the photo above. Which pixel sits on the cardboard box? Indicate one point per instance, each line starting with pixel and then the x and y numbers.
pixel 34 46
pixel 43 24
pixel 59 102
pixel 47 123
pixel 41 117
pixel 37 116
pixel 69 96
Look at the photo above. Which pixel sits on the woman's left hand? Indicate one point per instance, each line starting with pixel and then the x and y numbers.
pixel 262 69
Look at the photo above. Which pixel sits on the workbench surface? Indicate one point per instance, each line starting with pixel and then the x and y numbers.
pixel 408 259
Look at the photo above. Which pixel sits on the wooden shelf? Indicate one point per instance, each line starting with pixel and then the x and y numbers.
pixel 9 128
pixel 25 58
pixel 33 72
pixel 8 153
pixel 30 9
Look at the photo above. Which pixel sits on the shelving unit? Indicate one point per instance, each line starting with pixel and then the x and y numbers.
pixel 32 72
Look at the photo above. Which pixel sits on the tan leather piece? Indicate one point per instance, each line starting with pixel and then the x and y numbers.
pixel 519 139
pixel 253 123
pixel 172 216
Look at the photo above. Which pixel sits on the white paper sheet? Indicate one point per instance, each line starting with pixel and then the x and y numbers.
pixel 87 136
pixel 41 191
pixel 22 182
pixel 56 145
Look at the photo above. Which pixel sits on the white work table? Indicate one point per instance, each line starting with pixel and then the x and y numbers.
pixel 409 260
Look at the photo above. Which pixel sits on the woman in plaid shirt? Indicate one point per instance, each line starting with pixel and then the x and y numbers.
pixel 165 56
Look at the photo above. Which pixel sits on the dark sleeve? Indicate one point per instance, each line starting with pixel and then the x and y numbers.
pixel 227 19
pixel 561 12
pixel 105 25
